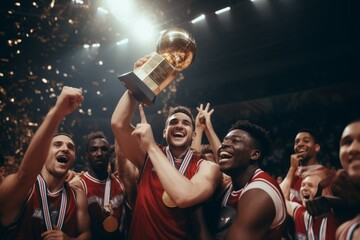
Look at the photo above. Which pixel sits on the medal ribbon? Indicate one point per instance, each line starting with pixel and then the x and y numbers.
pixel 45 206
pixel 184 164
pixel 107 195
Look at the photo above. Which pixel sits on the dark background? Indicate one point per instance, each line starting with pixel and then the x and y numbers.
pixel 284 64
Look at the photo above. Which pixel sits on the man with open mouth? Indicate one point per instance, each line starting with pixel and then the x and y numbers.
pixel 306 225
pixel 35 202
pixel 173 180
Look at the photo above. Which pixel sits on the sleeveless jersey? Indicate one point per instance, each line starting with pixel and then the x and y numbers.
pixel 309 228
pixel 94 190
pixel 152 219
pixel 268 184
pixel 31 224
pixel 348 228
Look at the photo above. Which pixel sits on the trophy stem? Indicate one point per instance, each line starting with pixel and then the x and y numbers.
pixel 138 88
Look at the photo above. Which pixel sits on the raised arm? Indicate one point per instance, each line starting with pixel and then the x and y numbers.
pixel 285 185
pixel 128 175
pixel 16 186
pixel 203 124
pixel 122 128
pixel 199 131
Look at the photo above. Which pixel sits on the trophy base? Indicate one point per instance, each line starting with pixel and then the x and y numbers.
pixel 138 88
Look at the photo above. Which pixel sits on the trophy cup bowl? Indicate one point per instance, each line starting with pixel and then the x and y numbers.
pixel 175 51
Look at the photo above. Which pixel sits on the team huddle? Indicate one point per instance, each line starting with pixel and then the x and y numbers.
pixel 138 189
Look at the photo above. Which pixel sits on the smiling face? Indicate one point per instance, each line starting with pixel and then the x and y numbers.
pixel 61 155
pixel 179 131
pixel 305 144
pixel 309 187
pixel 349 152
pixel 237 151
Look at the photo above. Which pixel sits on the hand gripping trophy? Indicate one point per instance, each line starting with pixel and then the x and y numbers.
pixel 175 51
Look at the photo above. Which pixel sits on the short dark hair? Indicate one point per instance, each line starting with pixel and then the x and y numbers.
pixel 184 110
pixel 95 135
pixel 64 134
pixel 312 132
pixel 258 133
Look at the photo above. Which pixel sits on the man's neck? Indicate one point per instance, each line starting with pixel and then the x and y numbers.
pixel 178 153
pixel 311 161
pixel 53 183
pixel 241 177
pixel 100 175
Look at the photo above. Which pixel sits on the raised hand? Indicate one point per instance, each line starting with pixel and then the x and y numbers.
pixel 143 131
pixel 295 160
pixel 203 119
pixel 141 61
pixel 68 101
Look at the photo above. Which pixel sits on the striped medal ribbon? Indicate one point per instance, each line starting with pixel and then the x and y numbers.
pixel 183 167
pixel 45 206
pixel 110 223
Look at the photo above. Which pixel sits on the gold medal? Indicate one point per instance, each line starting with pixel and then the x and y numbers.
pixel 167 200
pixel 110 224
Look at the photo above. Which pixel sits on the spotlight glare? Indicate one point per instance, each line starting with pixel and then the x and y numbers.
pixel 102 10
pixel 122 8
pixel 86 45
pixel 122 42
pixel 199 18
pixel 143 29
pixel 78 2
pixel 222 10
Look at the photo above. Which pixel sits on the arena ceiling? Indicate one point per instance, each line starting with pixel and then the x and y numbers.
pixel 258 51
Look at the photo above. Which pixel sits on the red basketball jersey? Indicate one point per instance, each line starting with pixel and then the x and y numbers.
pixel 95 189
pixel 267 183
pixel 31 224
pixel 152 219
pixel 307 227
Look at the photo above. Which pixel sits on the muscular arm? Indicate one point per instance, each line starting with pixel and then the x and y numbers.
pixel 255 214
pixel 187 192
pixel 122 129
pixel 128 175
pixel 82 215
pixel 18 185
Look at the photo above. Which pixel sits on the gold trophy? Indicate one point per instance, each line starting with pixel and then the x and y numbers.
pixel 175 51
